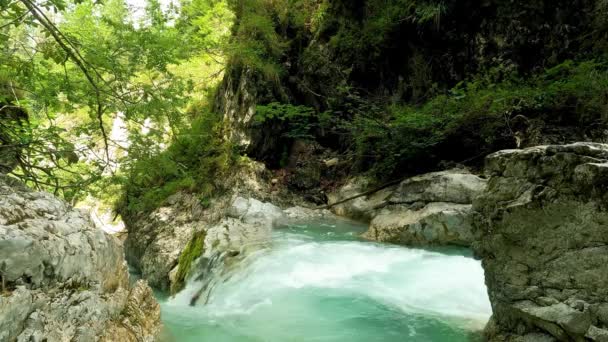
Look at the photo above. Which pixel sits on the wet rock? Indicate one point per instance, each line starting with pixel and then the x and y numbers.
pixel 429 209
pixel 252 211
pixel 451 186
pixel 306 214
pixel 156 240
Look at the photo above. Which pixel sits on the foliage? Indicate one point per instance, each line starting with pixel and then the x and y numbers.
pixel 266 30
pixel 476 115
pixel 196 158
pixel 363 42
pixel 299 121
pixel 76 67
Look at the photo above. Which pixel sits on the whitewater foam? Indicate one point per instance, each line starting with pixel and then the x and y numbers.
pixel 301 278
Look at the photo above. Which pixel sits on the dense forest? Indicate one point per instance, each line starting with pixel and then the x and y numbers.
pixel 389 88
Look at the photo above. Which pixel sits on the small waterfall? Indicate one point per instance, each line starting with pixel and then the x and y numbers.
pixel 212 271
pixel 320 283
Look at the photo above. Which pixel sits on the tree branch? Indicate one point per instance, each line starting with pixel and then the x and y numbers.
pixel 73 54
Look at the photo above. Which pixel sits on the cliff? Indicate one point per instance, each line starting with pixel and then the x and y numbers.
pixel 543 242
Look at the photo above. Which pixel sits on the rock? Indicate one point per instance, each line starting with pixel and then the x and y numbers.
pixel 597 334
pixel 536 337
pixel 362 208
pixel 429 209
pixel 234 234
pixel 252 211
pixel 560 314
pixel 247 226
pixel 435 224
pixel 543 240
pixel 306 214
pixel 453 186
pixel 156 240
pixel 64 279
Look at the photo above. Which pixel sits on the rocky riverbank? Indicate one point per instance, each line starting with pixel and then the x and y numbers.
pixel 539 223
pixel 537 219
pixel 63 279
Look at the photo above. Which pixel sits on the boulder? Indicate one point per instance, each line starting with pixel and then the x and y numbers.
pixel 306 214
pixel 246 225
pixel 451 186
pixel 429 209
pixel 543 239
pixel 437 223
pixel 252 211
pixel 156 240
pixel 62 278
pixel 362 208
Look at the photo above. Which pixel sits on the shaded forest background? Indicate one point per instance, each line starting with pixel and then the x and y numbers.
pixel 384 88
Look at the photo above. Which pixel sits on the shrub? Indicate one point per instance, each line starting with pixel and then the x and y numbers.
pixel 196 157
pixel 473 119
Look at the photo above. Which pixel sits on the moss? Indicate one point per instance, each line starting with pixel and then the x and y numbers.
pixel 193 250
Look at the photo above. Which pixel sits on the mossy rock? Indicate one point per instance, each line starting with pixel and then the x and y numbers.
pixel 194 249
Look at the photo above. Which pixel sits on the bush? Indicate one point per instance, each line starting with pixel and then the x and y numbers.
pixel 196 158
pixel 474 118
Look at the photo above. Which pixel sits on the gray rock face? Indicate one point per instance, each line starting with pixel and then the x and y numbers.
pixel 62 278
pixel 429 209
pixel 451 186
pixel 306 214
pixel 543 227
pixel 248 222
pixel 252 211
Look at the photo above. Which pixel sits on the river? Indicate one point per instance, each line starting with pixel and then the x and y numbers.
pixel 320 282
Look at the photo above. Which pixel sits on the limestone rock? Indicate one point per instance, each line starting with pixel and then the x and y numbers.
pixel 453 186
pixel 64 279
pixel 362 208
pixel 252 211
pixel 436 223
pixel 543 234
pixel 234 234
pixel 304 214
pixel 156 240
pixel 429 209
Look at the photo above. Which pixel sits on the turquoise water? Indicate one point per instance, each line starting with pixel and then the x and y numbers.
pixel 319 282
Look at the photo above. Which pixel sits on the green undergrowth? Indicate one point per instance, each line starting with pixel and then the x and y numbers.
pixel 193 162
pixel 194 249
pixel 477 117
